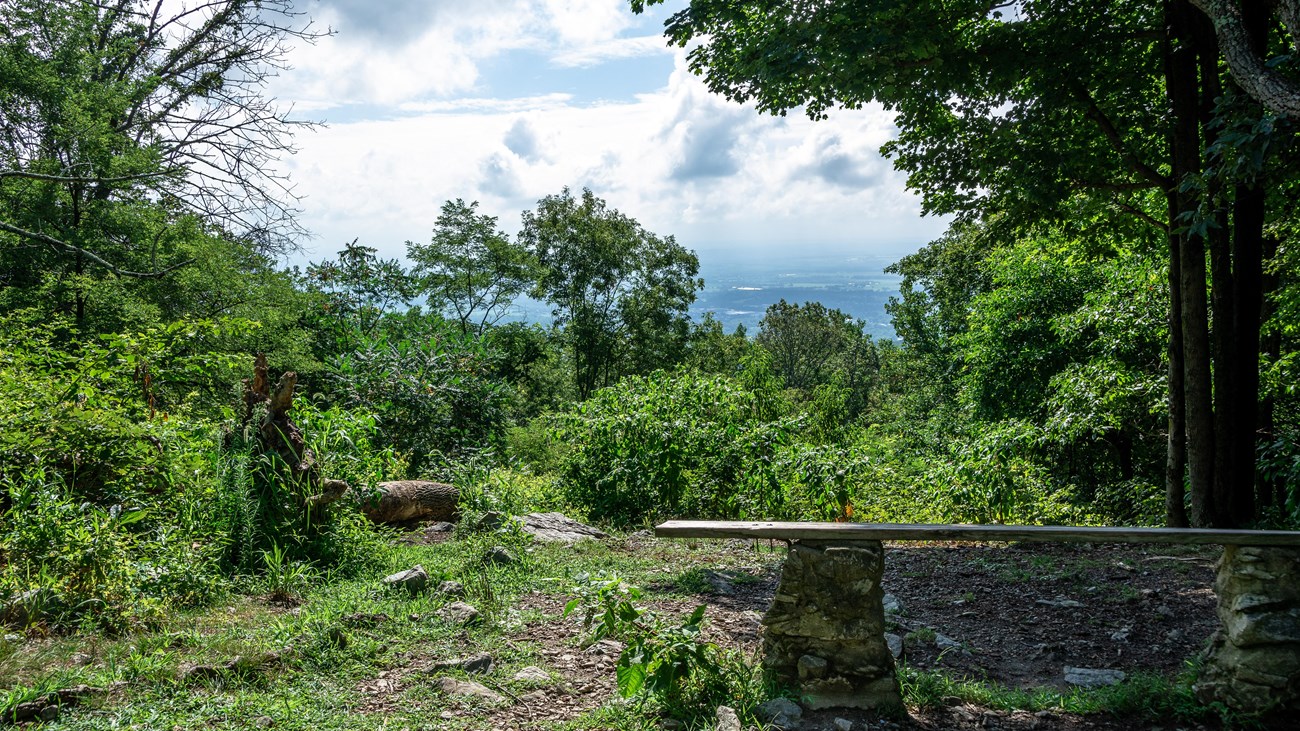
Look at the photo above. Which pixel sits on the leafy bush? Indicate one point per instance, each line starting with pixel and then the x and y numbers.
pixel 433 395
pixel 672 444
pixel 80 564
pixel 665 660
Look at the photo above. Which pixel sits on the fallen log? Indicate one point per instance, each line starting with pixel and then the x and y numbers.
pixel 402 500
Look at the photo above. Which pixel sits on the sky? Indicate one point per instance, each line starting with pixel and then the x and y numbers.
pixel 507 101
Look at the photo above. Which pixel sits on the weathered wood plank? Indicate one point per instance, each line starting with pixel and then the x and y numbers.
pixel 934 532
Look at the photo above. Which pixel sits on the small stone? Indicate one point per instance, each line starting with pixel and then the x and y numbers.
pixel 264 722
pixel 491 520
pixel 473 664
pixel 1092 677
pixel 895 644
pixel 557 528
pixel 1060 601
pixel 892 604
pixel 414 579
pixel 1174 635
pixel 500 556
pixel 532 674
pixel 458 613
pixel 454 686
pixel 781 712
pixel 452 589
pixel 727 719
pixel 843 724
pixel 811 667
pixel 1121 635
pixel 944 642
pixel 13 639
pixel 441 526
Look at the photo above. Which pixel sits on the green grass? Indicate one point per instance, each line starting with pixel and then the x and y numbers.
pixel 305 665
pixel 1144 696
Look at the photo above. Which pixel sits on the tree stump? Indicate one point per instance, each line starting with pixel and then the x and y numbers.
pixel 278 435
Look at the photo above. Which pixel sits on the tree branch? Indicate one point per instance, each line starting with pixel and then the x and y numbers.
pixel 58 244
pixel 1276 92
pixel 1116 140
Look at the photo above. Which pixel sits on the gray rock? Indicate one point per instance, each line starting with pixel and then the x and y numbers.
pixel 1093 677
pixel 557 528
pixel 264 722
pixel 1121 635
pixel 500 556
pixel 490 520
pixel 458 613
pixel 944 642
pixel 895 644
pixel 452 589
pixel 781 712
pixel 1060 601
pixel 727 719
pixel 843 724
pixel 13 639
pixel 455 686
pixel 414 579
pixel 719 583
pixel 605 648
pixel 473 664
pixel 532 674
pixel 892 604
pixel 812 667
pixel 441 526
pixel 81 658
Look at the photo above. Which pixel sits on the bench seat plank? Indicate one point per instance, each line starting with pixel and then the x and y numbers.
pixel 933 532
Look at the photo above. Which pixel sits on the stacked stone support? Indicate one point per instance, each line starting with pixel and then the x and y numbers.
pixel 826 629
pixel 1253 663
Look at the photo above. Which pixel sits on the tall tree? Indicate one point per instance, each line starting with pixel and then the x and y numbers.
pixel 470 268
pixel 120 120
pixel 620 292
pixel 1030 109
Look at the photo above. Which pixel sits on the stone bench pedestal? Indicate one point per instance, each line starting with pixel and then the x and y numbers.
pixel 826 629
pixel 1254 661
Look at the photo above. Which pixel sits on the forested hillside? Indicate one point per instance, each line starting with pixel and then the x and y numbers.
pixel 1108 334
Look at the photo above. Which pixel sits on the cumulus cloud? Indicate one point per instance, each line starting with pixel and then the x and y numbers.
pixel 854 167
pixel 497 177
pixel 678 159
pixel 522 140
pixel 414 51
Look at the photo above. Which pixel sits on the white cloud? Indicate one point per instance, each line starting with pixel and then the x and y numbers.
pixel 404 52
pixel 618 48
pixel 772 180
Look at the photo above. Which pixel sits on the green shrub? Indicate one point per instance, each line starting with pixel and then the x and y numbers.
pixel 433 394
pixel 672 444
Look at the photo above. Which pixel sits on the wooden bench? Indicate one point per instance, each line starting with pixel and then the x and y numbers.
pixel 825 630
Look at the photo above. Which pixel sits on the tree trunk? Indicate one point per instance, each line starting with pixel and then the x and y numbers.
pixel 1225 361
pixel 1183 93
pixel 1176 455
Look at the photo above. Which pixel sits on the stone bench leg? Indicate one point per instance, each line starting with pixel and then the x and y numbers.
pixel 1254 660
pixel 826 629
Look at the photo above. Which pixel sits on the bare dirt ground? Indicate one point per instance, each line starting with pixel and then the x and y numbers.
pixel 1016 615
